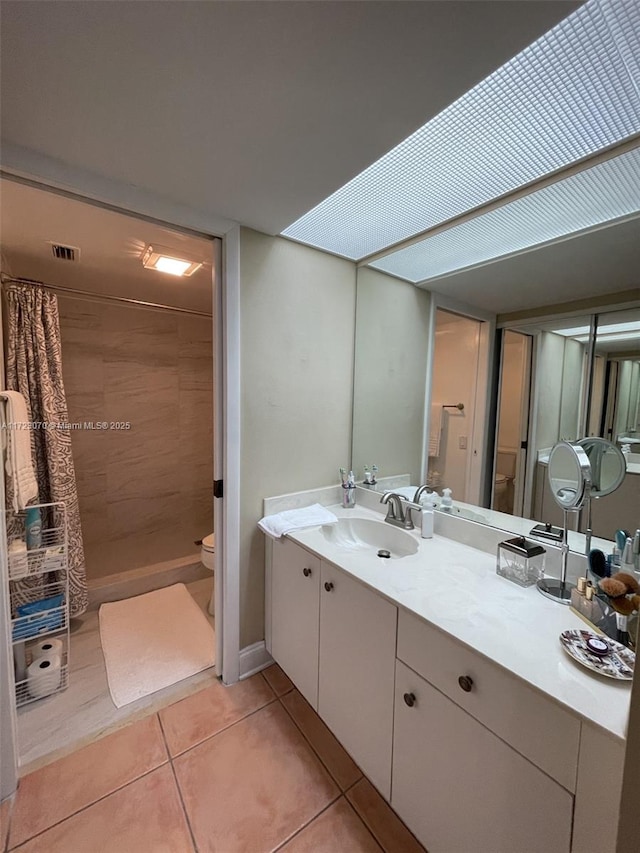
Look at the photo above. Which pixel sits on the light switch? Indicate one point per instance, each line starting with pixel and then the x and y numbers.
pixel 462 442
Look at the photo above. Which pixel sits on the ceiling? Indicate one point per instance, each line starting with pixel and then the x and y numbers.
pixel 253 111
pixel 111 245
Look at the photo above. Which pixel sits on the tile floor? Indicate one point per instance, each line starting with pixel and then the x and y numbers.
pixel 52 727
pixel 243 769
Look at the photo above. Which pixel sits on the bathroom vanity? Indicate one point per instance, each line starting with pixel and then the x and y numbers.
pixel 448 686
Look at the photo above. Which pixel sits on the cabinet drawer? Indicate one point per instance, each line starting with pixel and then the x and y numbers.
pixel 542 731
pixel 463 790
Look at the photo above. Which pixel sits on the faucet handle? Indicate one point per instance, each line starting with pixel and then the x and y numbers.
pixel 408 520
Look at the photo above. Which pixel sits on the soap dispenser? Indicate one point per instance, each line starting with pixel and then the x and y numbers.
pixel 446 504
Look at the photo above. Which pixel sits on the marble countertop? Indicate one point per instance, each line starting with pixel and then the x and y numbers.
pixel 455 588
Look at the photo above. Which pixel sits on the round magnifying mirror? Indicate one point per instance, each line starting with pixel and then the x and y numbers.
pixel 608 465
pixel 569 474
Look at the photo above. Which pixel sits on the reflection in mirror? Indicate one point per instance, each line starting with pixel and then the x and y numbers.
pixel 544 397
pixel 456 391
pixel 615 414
pixel 569 473
pixel 390 376
pixel 512 423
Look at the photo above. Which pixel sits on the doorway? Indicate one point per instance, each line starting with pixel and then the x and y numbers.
pixel 141 341
pixel 512 423
pixel 458 393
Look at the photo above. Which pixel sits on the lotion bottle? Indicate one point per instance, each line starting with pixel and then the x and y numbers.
pixel 428 519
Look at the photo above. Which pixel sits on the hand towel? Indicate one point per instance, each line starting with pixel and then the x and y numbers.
pixel 19 464
pixel 281 523
pixel 435 429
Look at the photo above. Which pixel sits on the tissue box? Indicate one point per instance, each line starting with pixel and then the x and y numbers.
pixel 36 617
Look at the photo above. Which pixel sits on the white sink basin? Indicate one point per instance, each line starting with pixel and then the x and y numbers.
pixel 357 534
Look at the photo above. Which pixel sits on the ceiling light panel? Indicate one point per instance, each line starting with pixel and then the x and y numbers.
pixel 584 200
pixel 568 95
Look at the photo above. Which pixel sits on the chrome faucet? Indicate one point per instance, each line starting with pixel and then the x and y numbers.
pixel 420 491
pixel 399 510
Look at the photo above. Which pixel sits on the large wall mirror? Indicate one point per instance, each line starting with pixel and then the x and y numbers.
pixel 426 408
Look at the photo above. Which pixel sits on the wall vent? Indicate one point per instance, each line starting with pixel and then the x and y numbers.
pixel 65 253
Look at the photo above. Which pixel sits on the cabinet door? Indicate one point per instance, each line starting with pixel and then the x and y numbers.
pixel 462 789
pixel 357 652
pixel 295 592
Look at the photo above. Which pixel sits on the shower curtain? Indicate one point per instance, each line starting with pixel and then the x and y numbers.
pixel 34 368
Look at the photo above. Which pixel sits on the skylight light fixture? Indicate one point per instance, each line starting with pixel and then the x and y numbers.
pixel 609 329
pixel 605 192
pixel 569 95
pixel 169 261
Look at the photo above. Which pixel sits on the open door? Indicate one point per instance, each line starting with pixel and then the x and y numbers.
pixel 511 446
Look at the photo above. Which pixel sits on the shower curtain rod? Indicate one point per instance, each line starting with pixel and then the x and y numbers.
pixel 8 279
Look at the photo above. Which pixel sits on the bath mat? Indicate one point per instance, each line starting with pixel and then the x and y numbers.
pixel 152 641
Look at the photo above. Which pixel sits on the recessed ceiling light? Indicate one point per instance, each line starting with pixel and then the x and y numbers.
pixel 167 260
pixel 570 94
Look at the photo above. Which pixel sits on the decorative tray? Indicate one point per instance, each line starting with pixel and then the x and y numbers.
pixel 618 663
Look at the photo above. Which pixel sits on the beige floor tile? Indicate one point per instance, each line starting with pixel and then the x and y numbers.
pixel 278 680
pixel 251 787
pixel 144 817
pixel 392 835
pixel 5 814
pixel 336 830
pixel 209 711
pixel 56 791
pixel 338 762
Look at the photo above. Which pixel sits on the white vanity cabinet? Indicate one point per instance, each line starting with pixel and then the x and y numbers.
pixel 357 660
pixel 459 788
pixel 295 615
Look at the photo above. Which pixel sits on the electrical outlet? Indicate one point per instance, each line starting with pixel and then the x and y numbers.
pixel 462 442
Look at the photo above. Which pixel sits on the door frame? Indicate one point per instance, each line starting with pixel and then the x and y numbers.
pixel 478 470
pixel 51 175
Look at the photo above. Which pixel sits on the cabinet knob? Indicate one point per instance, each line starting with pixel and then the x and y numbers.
pixel 409 699
pixel 466 683
pixel 328 586
pixel 306 572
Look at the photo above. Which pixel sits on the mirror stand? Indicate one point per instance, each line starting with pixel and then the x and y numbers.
pixel 560 591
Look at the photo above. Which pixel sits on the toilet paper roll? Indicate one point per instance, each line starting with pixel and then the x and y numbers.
pixel 46 648
pixel 43 676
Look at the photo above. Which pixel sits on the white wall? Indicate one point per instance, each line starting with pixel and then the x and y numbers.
pixel 392 322
pixel 297 331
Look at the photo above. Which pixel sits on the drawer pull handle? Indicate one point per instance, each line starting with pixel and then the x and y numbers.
pixel 306 572
pixel 409 699
pixel 328 586
pixel 466 683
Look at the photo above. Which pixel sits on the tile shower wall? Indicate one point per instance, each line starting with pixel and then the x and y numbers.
pixel 145 493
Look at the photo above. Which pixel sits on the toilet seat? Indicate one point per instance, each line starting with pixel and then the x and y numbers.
pixel 207 552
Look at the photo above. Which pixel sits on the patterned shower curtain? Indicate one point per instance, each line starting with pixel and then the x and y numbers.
pixel 34 368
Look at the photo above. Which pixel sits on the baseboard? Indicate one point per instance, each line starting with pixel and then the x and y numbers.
pixel 253 659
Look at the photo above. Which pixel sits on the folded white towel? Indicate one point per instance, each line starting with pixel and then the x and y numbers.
pixel 281 523
pixel 435 430
pixel 19 464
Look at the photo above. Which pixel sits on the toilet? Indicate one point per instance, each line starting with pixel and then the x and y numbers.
pixel 501 493
pixel 207 558
pixel 503 484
